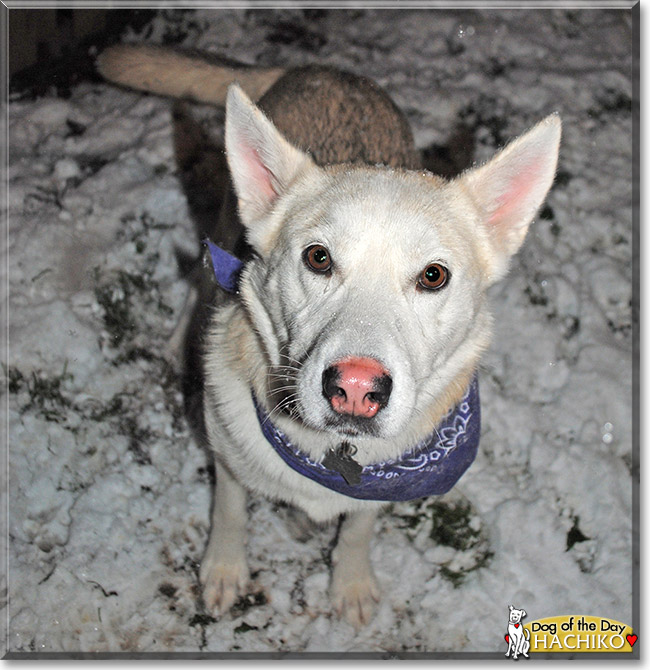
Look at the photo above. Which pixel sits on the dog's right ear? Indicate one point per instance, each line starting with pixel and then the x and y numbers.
pixel 262 163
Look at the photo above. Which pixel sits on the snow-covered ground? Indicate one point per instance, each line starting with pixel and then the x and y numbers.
pixel 108 490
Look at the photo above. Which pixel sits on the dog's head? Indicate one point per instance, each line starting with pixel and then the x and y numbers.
pixel 515 615
pixel 368 284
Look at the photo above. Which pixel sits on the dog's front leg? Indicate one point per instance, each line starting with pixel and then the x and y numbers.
pixel 224 571
pixel 354 587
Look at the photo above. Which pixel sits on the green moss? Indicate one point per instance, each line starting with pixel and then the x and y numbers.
pixel 248 601
pixel 126 298
pixel 575 535
pixel 15 379
pixel 138 438
pixel 536 296
pixel 124 294
pixel 115 300
pixel 114 407
pixel 244 628
pixel 167 590
pixel 136 228
pixel 202 620
pixel 451 525
pixel 46 394
pixel 457 577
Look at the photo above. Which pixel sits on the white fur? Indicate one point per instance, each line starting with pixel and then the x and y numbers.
pixel 382 227
pixel 518 636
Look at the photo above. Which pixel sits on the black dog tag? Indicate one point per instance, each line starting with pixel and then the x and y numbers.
pixel 340 459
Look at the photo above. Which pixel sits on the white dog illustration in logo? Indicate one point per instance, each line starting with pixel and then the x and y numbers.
pixel 517 637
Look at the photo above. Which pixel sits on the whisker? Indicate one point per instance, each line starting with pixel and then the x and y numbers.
pixel 279 379
pixel 292 368
pixel 287 387
pixel 282 404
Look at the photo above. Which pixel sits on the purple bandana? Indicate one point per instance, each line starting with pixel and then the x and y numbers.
pixel 226 267
pixel 431 467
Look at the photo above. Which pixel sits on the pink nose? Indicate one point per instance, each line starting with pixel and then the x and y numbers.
pixel 357 386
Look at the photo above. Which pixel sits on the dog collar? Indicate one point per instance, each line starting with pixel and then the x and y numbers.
pixel 431 467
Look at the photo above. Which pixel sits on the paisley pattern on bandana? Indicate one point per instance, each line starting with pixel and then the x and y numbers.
pixel 431 467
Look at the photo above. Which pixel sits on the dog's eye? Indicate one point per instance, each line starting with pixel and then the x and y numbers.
pixel 433 277
pixel 317 258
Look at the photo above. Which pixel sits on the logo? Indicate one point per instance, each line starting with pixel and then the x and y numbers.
pixel 569 633
pixel 517 637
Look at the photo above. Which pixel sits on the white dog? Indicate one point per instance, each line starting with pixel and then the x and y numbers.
pixel 518 636
pixel 341 374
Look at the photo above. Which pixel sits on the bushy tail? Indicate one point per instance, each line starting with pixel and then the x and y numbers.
pixel 183 74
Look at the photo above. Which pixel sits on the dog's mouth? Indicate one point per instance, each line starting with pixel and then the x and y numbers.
pixel 351 426
pixel 284 399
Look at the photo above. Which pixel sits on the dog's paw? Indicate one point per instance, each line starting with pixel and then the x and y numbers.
pixel 355 598
pixel 222 583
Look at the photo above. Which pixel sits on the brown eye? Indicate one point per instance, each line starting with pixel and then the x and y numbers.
pixel 433 277
pixel 317 258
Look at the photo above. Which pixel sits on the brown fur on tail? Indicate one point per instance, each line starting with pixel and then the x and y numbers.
pixel 182 74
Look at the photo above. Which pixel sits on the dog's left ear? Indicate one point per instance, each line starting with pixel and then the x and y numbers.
pixel 262 163
pixel 510 188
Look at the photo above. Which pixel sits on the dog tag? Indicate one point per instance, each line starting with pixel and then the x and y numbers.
pixel 342 462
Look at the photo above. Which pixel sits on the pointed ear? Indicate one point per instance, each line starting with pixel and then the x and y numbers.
pixel 262 163
pixel 509 189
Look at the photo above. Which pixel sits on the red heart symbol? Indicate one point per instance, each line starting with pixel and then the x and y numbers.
pixel 516 625
pixel 507 638
pixel 632 639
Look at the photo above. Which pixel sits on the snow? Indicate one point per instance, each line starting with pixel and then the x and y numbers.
pixel 109 492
